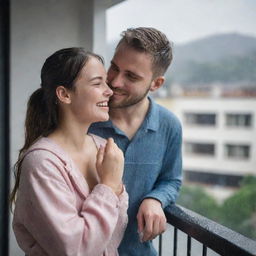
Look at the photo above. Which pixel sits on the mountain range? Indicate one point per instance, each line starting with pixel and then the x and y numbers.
pixel 222 58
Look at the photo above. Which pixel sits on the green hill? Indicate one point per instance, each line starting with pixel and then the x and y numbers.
pixel 226 58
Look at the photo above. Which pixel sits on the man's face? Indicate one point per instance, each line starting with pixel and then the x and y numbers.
pixel 130 77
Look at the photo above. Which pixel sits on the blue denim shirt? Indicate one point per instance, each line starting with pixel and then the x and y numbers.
pixel 153 165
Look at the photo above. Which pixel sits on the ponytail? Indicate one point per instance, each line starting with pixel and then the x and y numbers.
pixel 41 117
pixel 41 120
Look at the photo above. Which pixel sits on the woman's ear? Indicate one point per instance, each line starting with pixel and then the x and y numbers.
pixel 157 83
pixel 63 94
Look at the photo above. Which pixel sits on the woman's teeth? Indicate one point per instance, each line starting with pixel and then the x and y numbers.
pixel 102 104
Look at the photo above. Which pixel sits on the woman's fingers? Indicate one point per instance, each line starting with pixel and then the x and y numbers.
pixel 100 155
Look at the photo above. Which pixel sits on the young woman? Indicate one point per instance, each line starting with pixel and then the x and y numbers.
pixel 70 199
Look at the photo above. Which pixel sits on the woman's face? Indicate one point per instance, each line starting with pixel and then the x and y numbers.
pixel 89 100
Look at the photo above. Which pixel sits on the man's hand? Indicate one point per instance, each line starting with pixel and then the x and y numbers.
pixel 151 219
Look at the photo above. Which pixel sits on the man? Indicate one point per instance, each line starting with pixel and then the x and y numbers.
pixel 148 134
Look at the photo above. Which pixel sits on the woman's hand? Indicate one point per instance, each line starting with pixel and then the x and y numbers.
pixel 110 166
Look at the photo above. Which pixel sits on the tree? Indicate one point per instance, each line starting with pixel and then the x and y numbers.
pixel 237 212
pixel 197 200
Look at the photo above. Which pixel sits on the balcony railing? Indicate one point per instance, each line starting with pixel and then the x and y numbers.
pixel 210 234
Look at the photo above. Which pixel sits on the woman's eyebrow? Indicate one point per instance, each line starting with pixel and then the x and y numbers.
pixel 95 78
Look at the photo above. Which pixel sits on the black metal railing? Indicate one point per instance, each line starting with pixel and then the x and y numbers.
pixel 210 234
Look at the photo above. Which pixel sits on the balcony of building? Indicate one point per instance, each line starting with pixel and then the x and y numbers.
pixel 29 31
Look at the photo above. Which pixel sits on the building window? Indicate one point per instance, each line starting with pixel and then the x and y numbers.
pixel 207 119
pixel 206 177
pixel 207 149
pixel 239 120
pixel 237 151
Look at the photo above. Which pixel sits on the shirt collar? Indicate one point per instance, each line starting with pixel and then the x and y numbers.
pixel 152 117
pixel 105 124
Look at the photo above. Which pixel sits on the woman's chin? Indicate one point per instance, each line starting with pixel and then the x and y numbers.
pixel 103 119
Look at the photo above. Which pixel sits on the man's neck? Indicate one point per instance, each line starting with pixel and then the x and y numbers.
pixel 129 119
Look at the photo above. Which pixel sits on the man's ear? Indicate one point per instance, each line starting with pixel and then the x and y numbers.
pixel 157 83
pixel 63 94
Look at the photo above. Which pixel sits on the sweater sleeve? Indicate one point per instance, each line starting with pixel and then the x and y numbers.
pixel 51 214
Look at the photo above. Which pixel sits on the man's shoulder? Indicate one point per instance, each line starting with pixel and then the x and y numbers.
pixel 166 115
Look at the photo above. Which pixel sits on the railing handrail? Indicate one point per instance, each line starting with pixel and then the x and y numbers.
pixel 213 235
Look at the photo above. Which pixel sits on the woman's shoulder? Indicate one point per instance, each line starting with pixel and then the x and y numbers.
pixel 44 149
pixel 44 159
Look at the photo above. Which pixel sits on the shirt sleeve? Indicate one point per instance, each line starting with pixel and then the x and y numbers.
pixel 52 215
pixel 168 184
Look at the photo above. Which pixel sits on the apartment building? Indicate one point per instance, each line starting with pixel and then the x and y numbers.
pixel 219 138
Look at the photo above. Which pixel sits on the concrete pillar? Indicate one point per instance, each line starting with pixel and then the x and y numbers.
pixel 93 33
pixel 4 124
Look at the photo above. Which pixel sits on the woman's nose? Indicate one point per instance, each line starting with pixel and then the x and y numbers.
pixel 108 92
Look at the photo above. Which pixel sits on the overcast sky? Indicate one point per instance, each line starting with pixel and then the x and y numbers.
pixel 184 20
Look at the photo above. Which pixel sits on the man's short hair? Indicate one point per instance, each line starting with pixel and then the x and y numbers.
pixel 150 41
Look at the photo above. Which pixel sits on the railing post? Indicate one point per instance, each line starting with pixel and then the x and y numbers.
pixel 189 246
pixel 175 234
pixel 204 250
pixel 160 245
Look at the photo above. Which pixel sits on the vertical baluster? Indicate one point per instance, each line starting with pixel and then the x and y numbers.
pixel 160 245
pixel 204 250
pixel 175 242
pixel 189 246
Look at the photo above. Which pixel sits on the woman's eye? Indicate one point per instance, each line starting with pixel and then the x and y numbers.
pixel 97 83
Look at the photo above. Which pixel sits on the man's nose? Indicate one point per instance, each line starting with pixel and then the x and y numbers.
pixel 116 81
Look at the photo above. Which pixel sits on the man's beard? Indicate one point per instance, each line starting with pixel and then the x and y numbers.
pixel 127 102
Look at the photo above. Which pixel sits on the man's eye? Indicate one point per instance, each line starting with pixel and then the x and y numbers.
pixel 132 77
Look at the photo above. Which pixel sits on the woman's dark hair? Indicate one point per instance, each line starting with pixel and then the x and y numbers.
pixel 61 68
